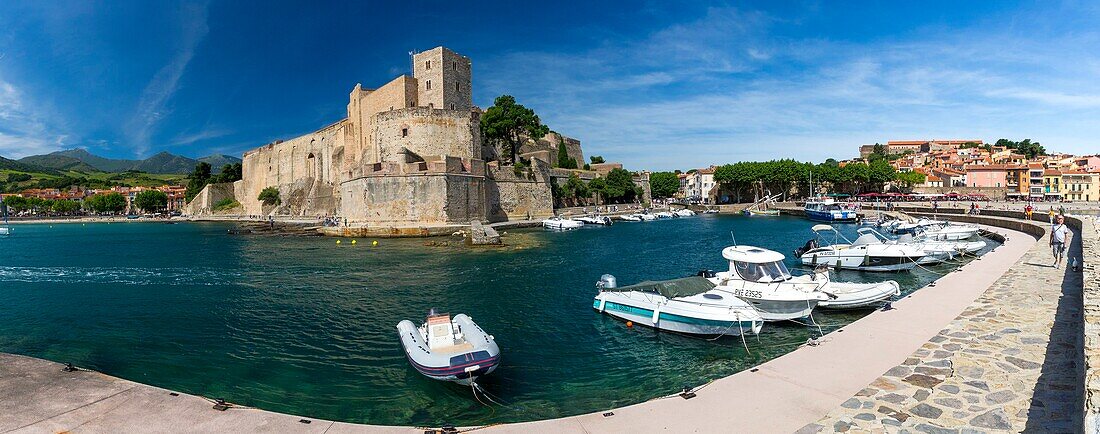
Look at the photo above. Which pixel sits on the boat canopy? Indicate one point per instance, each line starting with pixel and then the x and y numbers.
pixel 818 228
pixel 675 288
pixel 755 255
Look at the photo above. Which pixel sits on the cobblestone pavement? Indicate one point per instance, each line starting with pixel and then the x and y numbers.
pixel 1008 363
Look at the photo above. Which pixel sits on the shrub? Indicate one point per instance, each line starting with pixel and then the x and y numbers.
pixel 225 204
pixel 270 196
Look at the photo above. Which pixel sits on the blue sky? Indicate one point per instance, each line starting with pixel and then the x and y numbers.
pixel 657 85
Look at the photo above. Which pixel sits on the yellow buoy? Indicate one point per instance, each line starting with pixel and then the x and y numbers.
pixel 375 243
pixel 354 241
pixel 337 241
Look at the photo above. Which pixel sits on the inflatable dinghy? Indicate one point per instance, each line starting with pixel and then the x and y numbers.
pixel 449 349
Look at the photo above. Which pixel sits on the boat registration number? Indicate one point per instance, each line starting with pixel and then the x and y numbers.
pixel 747 293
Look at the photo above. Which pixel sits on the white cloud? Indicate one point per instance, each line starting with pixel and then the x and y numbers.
pixel 22 130
pixel 152 107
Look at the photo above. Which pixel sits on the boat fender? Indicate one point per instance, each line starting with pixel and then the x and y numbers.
pixel 656 315
pixel 603 302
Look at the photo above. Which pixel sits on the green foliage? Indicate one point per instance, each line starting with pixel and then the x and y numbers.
pixel 64 207
pixel 270 196
pixel 620 186
pixel 106 203
pixel 519 168
pixel 197 180
pixel 596 159
pixel 598 186
pixel 564 161
pixel 506 123
pixel 909 179
pixel 664 184
pixel 227 203
pixel 229 173
pixel 1025 147
pixel 19 177
pixel 151 200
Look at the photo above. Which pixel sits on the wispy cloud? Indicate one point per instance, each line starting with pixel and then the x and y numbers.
pixel 152 106
pixel 723 88
pixel 22 130
pixel 199 136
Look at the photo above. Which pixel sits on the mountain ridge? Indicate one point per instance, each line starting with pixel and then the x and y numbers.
pixel 163 162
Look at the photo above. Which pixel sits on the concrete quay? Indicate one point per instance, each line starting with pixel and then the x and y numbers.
pixel 802 390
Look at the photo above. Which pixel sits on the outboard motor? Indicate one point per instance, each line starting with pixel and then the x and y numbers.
pixel 707 274
pixel 810 245
pixel 607 281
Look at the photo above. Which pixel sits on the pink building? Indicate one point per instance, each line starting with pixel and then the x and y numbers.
pixel 987 175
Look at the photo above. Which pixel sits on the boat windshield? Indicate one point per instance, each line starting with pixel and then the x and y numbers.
pixel 762 272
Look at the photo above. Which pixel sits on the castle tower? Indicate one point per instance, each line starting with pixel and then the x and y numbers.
pixel 443 79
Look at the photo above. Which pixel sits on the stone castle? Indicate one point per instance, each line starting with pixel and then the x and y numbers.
pixel 408 153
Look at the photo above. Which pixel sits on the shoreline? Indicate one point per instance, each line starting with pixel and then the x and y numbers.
pixel 772 383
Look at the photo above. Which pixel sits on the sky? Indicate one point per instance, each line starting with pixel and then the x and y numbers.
pixel 655 85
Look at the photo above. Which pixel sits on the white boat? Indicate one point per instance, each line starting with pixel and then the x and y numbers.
pixel 449 349
pixel 829 210
pixel 710 211
pixel 630 218
pixel 689 305
pixel 947 232
pixel 867 253
pixel 647 217
pixel 934 251
pixel 664 215
pixel 847 295
pixel 684 213
pixel 595 220
pixel 559 223
pixel 759 277
pixel 5 231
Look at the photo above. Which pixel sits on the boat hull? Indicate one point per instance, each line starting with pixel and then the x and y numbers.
pixel 861 262
pixel 675 322
pixel 831 216
pixel 859 296
pixel 479 359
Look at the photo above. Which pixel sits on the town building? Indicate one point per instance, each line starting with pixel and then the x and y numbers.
pixel 1079 185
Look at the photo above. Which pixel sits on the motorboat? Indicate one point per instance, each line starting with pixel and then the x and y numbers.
pixel 847 295
pixel 559 223
pixel 710 211
pixel 595 220
pixel 449 349
pixel 759 277
pixel 5 231
pixel 829 210
pixel 934 251
pixel 947 232
pixel 760 212
pixel 691 305
pixel 630 218
pixel 684 213
pixel 664 215
pixel 867 253
pixel 647 217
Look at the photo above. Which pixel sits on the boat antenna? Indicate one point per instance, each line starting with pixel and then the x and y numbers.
pixel 734 239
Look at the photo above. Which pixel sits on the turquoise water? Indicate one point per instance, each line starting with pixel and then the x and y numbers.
pixel 303 326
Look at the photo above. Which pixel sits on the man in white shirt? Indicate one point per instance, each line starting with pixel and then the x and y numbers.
pixel 1059 239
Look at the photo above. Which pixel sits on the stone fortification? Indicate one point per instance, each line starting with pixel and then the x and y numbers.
pixel 409 153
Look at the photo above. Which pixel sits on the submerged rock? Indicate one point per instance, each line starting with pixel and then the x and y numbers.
pixel 481 235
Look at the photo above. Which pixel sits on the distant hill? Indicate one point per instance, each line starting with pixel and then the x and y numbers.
pixel 219 160
pixel 7 164
pixel 81 160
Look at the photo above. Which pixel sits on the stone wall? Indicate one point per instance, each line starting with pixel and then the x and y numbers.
pixel 301 167
pixel 525 197
pixel 363 105
pixel 449 75
pixel 994 193
pixel 413 199
pixel 1090 248
pixel 203 203
pixel 427 132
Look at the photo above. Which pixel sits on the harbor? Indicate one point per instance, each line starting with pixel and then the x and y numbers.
pixel 901 337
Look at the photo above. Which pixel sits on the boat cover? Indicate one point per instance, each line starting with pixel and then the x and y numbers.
pixel 674 288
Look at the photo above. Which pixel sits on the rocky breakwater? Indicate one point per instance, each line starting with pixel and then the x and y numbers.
pixel 481 235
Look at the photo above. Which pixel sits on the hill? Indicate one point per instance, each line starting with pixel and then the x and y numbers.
pixel 80 160
pixel 7 164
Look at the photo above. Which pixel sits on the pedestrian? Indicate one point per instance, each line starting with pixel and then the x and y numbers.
pixel 1051 214
pixel 1059 238
pixel 1028 210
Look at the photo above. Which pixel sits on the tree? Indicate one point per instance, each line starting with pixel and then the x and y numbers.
pixel 598 186
pixel 197 180
pixel 270 196
pixel 664 184
pixel 151 200
pixel 106 203
pixel 574 189
pixel 506 123
pixel 878 153
pixel 620 186
pixel 908 179
pixel 230 173
pixel 596 159
pixel 64 206
pixel 564 161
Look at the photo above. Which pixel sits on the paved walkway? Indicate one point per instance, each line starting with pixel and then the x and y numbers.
pixel 1008 363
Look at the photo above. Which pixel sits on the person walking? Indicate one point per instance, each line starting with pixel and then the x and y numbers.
pixel 1028 211
pixel 1051 214
pixel 1060 236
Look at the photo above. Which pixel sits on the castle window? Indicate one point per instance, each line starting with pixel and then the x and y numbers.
pixel 404 132
pixel 428 85
pixel 427 64
pixel 454 65
pixel 456 86
pixel 452 106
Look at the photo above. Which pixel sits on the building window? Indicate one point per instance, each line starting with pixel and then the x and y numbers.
pixel 428 85
pixel 427 64
pixel 456 86
pixel 454 65
pixel 452 106
pixel 404 132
